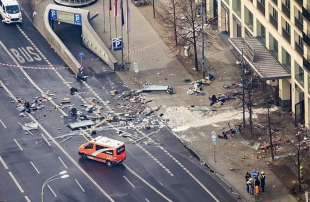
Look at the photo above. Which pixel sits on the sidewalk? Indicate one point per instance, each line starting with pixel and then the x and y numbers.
pixel 159 64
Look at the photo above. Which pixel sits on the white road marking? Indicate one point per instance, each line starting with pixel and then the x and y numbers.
pixel 18 145
pixel 147 200
pixel 45 140
pixel 52 191
pixel 35 168
pixel 3 124
pixel 156 160
pixel 62 162
pixel 77 182
pixel 148 184
pixel 30 80
pixel 129 182
pixel 61 148
pixel 16 182
pixel 3 163
pixel 27 199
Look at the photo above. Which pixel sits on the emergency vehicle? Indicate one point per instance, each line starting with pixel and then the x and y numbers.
pixel 104 150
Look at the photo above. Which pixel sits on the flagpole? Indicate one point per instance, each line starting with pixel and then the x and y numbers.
pixel 110 8
pixel 103 16
pixel 127 25
pixel 122 22
pixel 115 17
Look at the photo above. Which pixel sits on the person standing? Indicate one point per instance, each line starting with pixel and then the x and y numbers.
pixel 247 177
pixel 262 181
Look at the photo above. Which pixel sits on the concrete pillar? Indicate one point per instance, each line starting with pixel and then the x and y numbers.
pixel 284 89
pixel 219 14
pixel 307 108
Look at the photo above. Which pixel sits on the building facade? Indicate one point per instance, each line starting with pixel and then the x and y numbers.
pixel 283 27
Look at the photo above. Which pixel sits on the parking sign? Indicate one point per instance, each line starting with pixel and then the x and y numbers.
pixel 117 44
pixel 77 19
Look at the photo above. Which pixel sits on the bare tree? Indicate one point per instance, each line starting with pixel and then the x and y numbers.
pixel 301 146
pixel 189 25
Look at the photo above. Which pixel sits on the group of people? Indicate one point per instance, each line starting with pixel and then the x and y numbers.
pixel 255 182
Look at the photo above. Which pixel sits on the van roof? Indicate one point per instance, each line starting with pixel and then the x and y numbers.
pixel 9 2
pixel 105 141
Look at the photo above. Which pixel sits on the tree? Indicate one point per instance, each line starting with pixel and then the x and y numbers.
pixel 301 146
pixel 189 25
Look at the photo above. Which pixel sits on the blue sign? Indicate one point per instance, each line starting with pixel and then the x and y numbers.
pixel 117 44
pixel 53 15
pixel 77 19
pixel 81 55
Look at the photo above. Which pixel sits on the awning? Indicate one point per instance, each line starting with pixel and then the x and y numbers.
pixel 259 58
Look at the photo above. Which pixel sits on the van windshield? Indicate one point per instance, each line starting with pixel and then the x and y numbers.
pixel 13 9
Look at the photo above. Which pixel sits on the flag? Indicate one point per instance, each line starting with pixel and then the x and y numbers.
pixel 115 8
pixel 110 5
pixel 122 13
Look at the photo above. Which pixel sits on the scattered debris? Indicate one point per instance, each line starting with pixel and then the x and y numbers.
pixel 113 92
pixel 81 124
pixel 73 90
pixel 151 88
pixel 30 126
pixel 65 100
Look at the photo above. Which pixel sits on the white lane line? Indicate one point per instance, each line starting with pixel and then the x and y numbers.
pixel 77 182
pixel 62 162
pixel 34 167
pixel 27 199
pixel 52 191
pixel 148 184
pixel 30 80
pixel 3 163
pixel 129 182
pixel 156 160
pixel 18 145
pixel 3 124
pixel 16 182
pixel 147 200
pixel 191 175
pixel 45 140
pixel 61 148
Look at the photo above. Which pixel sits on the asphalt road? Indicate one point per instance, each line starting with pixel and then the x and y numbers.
pixel 158 167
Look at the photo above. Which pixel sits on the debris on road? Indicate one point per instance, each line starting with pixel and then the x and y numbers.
pixel 157 88
pixel 113 92
pixel 66 100
pixel 30 126
pixel 73 90
pixel 81 124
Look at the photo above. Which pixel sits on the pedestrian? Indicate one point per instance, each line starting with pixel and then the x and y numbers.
pixel 257 184
pixel 247 177
pixel 262 181
pixel 251 185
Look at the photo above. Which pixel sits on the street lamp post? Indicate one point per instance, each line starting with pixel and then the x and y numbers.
pixel 61 175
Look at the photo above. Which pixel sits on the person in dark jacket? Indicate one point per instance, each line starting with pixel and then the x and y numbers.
pixel 247 177
pixel 262 181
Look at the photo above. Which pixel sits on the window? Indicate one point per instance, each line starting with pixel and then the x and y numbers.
pixel 98 147
pixel 109 152
pixel 120 150
pixel 12 9
pixel 89 146
pixel 299 74
pixel 286 60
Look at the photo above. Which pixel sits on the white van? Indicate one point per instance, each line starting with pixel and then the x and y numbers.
pixel 10 11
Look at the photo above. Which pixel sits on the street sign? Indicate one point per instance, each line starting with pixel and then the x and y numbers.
pixel 53 15
pixel 117 44
pixel 214 137
pixel 78 19
pixel 81 55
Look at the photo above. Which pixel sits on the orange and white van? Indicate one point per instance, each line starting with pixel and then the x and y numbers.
pixel 104 150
